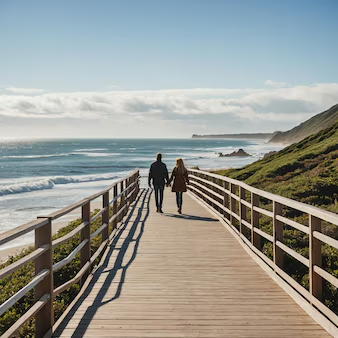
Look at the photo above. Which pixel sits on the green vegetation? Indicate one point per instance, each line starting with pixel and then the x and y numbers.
pixel 306 172
pixel 17 280
pixel 309 127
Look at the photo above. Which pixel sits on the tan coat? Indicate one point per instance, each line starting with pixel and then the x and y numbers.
pixel 180 180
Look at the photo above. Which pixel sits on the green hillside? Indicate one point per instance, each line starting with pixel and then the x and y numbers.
pixel 307 172
pixel 309 127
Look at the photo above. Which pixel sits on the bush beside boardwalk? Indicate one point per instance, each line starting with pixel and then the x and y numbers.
pixel 17 280
pixel 306 172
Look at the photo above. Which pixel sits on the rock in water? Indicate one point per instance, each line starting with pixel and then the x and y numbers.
pixel 240 152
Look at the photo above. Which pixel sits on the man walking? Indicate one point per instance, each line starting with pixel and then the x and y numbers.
pixel 159 174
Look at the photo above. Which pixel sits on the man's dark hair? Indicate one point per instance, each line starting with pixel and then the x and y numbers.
pixel 159 157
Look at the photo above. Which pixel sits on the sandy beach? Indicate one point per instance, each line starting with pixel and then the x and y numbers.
pixel 56 226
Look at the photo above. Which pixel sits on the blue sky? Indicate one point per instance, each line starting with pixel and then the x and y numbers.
pixel 140 62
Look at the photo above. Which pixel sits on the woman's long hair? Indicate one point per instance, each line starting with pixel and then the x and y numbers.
pixel 180 166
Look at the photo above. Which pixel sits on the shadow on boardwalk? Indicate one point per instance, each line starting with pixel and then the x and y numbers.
pixel 192 217
pixel 141 209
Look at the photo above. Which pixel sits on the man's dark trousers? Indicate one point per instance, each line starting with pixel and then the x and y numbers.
pixel 159 196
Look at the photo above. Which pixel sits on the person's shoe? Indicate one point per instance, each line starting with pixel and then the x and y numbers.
pixel 157 210
pixel 179 210
pixel 160 211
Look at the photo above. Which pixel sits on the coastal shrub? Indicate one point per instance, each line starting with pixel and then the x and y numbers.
pixel 21 277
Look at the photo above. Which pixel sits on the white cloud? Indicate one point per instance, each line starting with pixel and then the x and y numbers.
pixel 276 84
pixel 172 112
pixel 24 91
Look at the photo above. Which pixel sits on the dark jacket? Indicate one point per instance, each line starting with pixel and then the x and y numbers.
pixel 180 180
pixel 158 173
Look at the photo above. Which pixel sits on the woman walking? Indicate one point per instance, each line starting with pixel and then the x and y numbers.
pixel 181 179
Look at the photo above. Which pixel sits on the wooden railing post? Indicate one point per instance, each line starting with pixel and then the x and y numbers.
pixel 232 205
pixel 242 208
pixel 278 255
pixel 115 207
pixel 137 185
pixel 315 257
pixel 255 238
pixel 122 199
pixel 219 183
pixel 213 188
pixel 137 179
pixel 133 180
pixel 44 319
pixel 105 215
pixel 85 234
pixel 128 191
pixel 226 199
pixel 205 177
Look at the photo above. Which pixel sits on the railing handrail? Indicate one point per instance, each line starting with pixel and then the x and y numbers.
pixel 42 256
pixel 323 214
pixel 227 197
pixel 16 232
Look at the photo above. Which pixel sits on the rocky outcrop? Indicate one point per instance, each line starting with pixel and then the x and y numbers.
pixel 240 152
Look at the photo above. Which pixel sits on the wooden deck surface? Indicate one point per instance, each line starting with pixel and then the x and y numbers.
pixel 171 275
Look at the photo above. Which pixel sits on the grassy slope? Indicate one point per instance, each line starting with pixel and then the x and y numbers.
pixel 309 127
pixel 306 171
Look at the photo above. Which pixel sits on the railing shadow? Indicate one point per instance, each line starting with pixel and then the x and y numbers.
pixel 192 217
pixel 141 206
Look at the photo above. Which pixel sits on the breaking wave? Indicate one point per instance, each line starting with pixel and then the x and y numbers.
pixel 50 182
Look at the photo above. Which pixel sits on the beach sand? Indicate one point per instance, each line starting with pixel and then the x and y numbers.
pixel 56 226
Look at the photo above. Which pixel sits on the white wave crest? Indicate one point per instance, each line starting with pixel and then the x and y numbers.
pixel 96 154
pixel 92 149
pixel 49 183
pixel 37 156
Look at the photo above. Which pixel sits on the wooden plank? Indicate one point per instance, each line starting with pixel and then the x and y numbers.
pixel 24 260
pixel 22 292
pixel 70 257
pixel 70 234
pixel 325 239
pixel 21 230
pixel 99 230
pixel 293 224
pixel 293 253
pixel 263 234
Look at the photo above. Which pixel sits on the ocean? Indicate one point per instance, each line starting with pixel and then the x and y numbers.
pixel 38 177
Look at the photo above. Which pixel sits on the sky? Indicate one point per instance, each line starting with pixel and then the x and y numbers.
pixel 156 68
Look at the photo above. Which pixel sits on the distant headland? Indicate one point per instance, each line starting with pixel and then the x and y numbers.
pixel 309 127
pixel 254 136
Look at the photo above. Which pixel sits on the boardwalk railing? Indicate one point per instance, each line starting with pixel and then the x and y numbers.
pixel 241 207
pixel 124 192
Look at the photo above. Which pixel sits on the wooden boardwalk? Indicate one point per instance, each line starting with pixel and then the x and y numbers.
pixel 171 275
